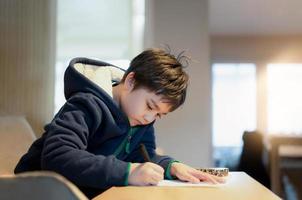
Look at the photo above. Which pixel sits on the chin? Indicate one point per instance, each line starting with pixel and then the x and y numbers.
pixel 133 122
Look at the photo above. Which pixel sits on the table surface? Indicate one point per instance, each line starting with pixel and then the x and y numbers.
pixel 239 185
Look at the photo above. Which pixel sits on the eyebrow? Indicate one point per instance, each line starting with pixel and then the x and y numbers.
pixel 156 106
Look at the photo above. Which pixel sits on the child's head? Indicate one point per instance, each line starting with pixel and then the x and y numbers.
pixel 154 84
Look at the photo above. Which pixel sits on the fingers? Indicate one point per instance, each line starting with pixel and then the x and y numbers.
pixel 220 179
pixel 157 176
pixel 156 167
pixel 207 177
pixel 154 180
pixel 145 174
pixel 154 173
pixel 188 177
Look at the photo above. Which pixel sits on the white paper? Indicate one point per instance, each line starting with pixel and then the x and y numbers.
pixel 177 183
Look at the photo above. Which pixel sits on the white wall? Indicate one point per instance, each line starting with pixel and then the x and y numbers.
pixel 27 55
pixel 186 133
pixel 261 50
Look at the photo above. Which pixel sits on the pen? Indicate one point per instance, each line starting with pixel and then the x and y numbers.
pixel 144 153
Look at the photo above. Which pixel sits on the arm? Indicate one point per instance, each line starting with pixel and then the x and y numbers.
pixel 65 146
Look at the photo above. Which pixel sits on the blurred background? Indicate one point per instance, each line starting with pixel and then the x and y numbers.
pixel 243 109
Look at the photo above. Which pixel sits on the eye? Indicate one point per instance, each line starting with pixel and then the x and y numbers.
pixel 149 107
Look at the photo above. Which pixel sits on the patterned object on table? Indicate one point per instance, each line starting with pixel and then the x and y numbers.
pixel 221 172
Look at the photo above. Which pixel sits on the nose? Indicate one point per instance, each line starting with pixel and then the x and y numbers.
pixel 149 117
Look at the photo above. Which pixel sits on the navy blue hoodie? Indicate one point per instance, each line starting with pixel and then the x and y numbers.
pixel 90 140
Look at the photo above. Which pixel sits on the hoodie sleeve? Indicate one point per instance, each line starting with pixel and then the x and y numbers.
pixel 65 146
pixel 149 141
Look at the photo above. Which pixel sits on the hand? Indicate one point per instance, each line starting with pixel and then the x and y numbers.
pixel 186 173
pixel 145 174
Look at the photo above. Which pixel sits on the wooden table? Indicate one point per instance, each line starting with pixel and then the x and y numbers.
pixel 239 186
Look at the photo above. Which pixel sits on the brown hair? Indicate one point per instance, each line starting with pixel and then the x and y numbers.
pixel 161 72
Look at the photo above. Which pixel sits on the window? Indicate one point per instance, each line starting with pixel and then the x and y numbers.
pixel 284 98
pixel 234 108
pixel 234 102
pixel 110 31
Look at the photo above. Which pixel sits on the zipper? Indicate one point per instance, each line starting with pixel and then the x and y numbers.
pixel 125 145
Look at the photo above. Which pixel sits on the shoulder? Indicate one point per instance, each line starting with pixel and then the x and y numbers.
pixel 82 105
pixel 86 100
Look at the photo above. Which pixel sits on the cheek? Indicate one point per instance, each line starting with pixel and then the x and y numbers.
pixel 134 107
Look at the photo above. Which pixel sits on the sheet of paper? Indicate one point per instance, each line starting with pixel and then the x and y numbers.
pixel 177 183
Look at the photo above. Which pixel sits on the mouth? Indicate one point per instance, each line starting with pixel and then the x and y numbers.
pixel 134 122
pixel 138 122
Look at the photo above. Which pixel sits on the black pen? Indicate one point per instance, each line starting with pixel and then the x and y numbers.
pixel 144 153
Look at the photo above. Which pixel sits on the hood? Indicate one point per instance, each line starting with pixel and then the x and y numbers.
pixel 94 76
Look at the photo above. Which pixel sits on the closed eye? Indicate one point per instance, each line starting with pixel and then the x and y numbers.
pixel 157 108
pixel 149 107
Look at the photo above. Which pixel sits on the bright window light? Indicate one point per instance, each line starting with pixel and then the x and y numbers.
pixel 234 102
pixel 284 98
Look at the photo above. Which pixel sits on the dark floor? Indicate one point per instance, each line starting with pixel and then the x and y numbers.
pixel 292 184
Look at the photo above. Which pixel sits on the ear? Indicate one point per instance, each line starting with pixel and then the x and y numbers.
pixel 129 81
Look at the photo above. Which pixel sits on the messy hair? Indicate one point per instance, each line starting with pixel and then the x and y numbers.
pixel 159 71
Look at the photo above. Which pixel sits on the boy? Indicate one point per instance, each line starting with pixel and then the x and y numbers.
pixel 94 139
